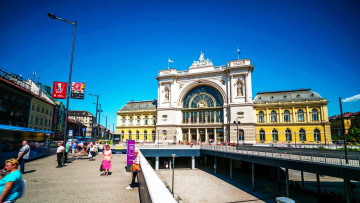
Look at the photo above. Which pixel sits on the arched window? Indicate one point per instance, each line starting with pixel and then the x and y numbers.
pixel 131 120
pixel 153 135
pixel 123 120
pixel 262 135
pixel 122 135
pixel 137 135
pixel 302 135
pixel 287 116
pixel 273 116
pixel 130 137
pixel 241 134
pixel 146 120
pixel 145 135
pixel 300 115
pixel 261 116
pixel 164 134
pixel 317 135
pixel 275 135
pixel 154 120
pixel 315 115
pixel 138 120
pixel 288 135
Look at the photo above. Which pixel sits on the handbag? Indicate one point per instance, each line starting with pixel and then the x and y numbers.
pixel 135 168
pixel 101 167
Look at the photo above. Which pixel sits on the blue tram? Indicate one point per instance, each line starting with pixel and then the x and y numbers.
pixel 11 138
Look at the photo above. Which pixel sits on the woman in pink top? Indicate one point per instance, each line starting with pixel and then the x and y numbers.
pixel 106 163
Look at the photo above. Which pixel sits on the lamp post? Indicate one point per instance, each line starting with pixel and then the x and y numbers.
pixel 52 16
pixel 97 102
pixel 173 166
pixel 237 132
pixel 99 120
pixel 106 126
pixel 343 128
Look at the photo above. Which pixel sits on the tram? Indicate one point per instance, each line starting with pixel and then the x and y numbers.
pixel 11 138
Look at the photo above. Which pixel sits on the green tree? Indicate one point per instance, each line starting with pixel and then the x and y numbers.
pixel 355 133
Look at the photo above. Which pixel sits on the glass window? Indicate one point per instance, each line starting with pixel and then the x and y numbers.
pixel 130 137
pixel 275 135
pixel 241 134
pixel 164 134
pixel 302 135
pixel 123 120
pixel 146 120
pixel 262 135
pixel 154 120
pixel 288 135
pixel 131 120
pixel 153 135
pixel 261 116
pixel 300 115
pixel 286 115
pixel 122 135
pixel 138 120
pixel 315 115
pixel 273 116
pixel 137 135
pixel 145 135
pixel 317 135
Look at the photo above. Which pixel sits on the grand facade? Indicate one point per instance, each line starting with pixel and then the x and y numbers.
pixel 203 102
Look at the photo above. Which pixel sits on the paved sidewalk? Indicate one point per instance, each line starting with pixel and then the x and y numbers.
pixel 79 181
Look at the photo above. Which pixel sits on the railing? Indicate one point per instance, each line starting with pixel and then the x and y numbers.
pixel 167 146
pixel 325 158
pixel 14 79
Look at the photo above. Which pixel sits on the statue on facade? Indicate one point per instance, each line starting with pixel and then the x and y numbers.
pixel 167 94
pixel 239 88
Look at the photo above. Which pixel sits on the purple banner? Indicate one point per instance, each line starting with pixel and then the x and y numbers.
pixel 130 151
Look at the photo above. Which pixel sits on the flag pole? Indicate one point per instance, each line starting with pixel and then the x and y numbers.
pixel 168 63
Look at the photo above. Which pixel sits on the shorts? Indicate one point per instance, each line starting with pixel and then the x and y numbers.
pixel 73 151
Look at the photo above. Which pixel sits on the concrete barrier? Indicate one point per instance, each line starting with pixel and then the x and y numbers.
pixel 152 189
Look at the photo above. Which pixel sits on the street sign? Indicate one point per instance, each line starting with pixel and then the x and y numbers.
pixel 70 133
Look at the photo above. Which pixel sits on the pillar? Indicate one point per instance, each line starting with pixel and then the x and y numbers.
pixel 205 160
pixel 287 182
pixel 206 136
pixel 197 134
pixel 253 176
pixel 347 185
pixel 231 169
pixel 192 162
pixel 302 178
pixel 318 187
pixel 215 136
pixel 279 179
pixel 189 135
pixel 307 114
pixel 157 163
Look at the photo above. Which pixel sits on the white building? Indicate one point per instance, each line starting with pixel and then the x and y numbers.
pixel 203 102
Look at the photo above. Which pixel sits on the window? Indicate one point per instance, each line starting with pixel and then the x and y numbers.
pixel 131 120
pixel 302 135
pixel 137 135
pixel 130 137
pixel 315 115
pixel 122 135
pixel 288 135
pixel 154 120
pixel 261 116
pixel 146 120
pixel 123 120
pixel 138 120
pixel 145 135
pixel 164 134
pixel 275 135
pixel 273 116
pixel 300 115
pixel 33 107
pixel 42 110
pixel 153 135
pixel 287 116
pixel 262 135
pixel 47 112
pixel 317 135
pixel 37 109
pixel 241 134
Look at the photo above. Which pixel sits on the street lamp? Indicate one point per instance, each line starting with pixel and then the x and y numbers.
pixel 237 132
pixel 173 166
pixel 97 102
pixel 106 126
pixel 52 16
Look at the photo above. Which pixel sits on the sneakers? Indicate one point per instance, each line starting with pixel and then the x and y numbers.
pixel 129 188
pixel 58 166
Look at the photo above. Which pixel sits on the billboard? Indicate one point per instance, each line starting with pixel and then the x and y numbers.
pixel 77 90
pixel 59 90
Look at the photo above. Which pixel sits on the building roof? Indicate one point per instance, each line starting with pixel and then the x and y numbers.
pixel 80 113
pixel 139 105
pixel 287 95
pixel 345 115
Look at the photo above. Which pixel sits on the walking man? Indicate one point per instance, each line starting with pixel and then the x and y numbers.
pixel 67 147
pixel 59 154
pixel 23 155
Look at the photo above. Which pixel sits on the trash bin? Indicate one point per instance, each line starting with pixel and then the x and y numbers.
pixel 284 200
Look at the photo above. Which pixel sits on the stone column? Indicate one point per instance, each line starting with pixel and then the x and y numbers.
pixel 157 163
pixel 192 162
pixel 189 135
pixel 206 136
pixel 293 114
pixel 248 93
pixel 197 134
pixel 267 116
pixel 280 115
pixel 215 136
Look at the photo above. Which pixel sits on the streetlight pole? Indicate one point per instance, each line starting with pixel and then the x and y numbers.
pixel 52 16
pixel 99 120
pixel 106 126
pixel 343 128
pixel 97 102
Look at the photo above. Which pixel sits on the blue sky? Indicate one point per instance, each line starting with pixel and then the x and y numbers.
pixel 121 45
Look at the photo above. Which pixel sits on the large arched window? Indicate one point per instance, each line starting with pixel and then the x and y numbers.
pixel 262 135
pixel 146 120
pixel 154 120
pixel 287 116
pixel 241 134
pixel 137 135
pixel 317 136
pixel 302 135
pixel 300 115
pixel 138 120
pixel 288 135
pixel 131 120
pixel 273 116
pixel 123 120
pixel 130 136
pixel 275 135
pixel 122 135
pixel 153 135
pixel 145 135
pixel 261 116
pixel 315 115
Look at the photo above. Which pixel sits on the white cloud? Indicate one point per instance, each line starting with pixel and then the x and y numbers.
pixel 353 98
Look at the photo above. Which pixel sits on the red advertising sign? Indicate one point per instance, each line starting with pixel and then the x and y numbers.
pixel 59 90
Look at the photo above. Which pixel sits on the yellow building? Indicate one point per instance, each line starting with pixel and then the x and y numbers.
pixel 296 116
pixel 41 114
pixel 137 120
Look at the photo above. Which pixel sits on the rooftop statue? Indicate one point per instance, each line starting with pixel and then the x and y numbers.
pixel 202 62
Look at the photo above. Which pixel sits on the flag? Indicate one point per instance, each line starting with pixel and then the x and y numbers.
pixel 170 61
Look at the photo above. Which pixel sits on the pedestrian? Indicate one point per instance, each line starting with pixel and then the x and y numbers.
pixel 23 155
pixel 11 186
pixel 67 148
pixel 106 163
pixel 134 173
pixel 170 164
pixel 167 165
pixel 80 148
pixel 73 147
pixel 91 151
pixel 59 153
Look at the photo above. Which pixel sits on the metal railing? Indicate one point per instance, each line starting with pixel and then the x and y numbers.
pixel 15 79
pixel 325 158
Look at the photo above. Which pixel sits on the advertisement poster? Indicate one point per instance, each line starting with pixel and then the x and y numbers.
pixel 77 90
pixel 59 90
pixel 130 151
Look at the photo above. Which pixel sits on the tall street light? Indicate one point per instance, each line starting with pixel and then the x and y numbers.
pixel 106 126
pixel 97 103
pixel 99 120
pixel 52 16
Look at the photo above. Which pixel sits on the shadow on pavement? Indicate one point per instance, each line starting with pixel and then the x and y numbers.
pixel 31 171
